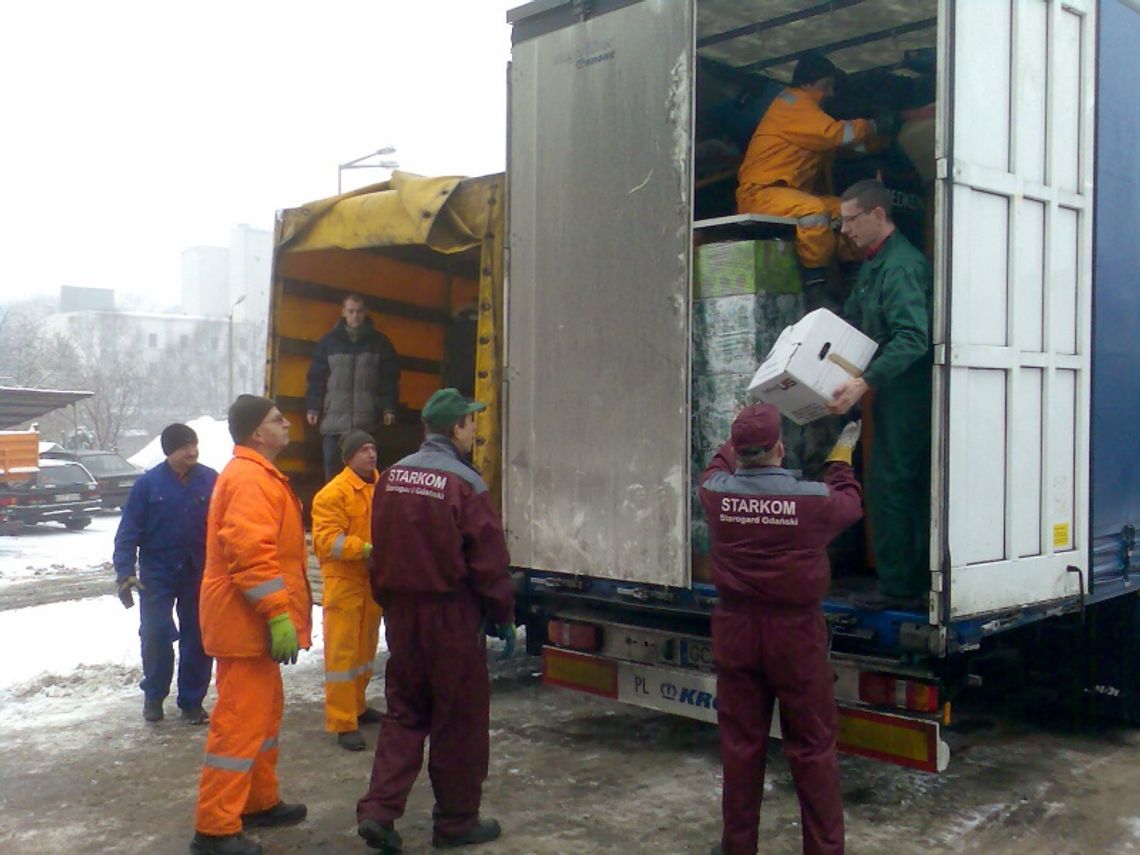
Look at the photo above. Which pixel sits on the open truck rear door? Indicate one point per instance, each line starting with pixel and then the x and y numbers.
pixel 1012 328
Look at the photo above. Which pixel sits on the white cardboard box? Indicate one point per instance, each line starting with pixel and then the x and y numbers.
pixel 808 362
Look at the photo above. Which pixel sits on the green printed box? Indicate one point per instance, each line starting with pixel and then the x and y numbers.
pixel 732 268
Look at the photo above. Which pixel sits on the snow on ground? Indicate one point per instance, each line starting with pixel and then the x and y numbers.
pixel 81 655
pixel 215 445
pixel 87 646
pixel 50 549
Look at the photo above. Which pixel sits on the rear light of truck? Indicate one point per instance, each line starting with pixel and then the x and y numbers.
pixel 882 690
pixel 574 635
pixel 7 501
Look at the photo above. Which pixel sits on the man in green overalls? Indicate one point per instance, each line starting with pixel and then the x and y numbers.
pixel 891 303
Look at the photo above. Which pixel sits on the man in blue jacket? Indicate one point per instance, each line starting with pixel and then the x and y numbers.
pixel 163 529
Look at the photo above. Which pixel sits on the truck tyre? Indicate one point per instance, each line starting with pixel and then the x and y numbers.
pixel 77 523
pixel 1113 651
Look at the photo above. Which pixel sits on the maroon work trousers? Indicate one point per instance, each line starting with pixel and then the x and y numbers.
pixel 763 655
pixel 437 688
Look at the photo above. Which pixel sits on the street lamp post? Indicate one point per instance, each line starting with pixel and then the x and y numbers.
pixel 230 349
pixel 359 163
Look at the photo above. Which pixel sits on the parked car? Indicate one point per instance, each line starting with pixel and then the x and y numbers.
pixel 114 474
pixel 61 491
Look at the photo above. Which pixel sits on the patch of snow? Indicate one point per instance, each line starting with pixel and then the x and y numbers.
pixel 1132 823
pixel 215 445
pixel 60 638
pixel 78 655
pixel 49 549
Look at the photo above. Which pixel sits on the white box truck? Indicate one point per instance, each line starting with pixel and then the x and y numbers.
pixel 620 156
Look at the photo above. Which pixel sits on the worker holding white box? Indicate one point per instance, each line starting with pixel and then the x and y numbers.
pixel 891 303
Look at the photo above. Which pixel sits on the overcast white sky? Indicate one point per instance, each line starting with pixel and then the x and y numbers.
pixel 133 130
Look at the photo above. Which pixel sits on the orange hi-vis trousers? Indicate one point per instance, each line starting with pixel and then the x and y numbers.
pixel 352 633
pixel 815 240
pixel 239 774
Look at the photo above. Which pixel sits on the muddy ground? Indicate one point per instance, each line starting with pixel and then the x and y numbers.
pixel 80 771
pixel 568 774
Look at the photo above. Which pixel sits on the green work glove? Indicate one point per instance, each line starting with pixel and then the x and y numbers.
pixel 283 643
pixel 125 585
pixel 505 632
pixel 844 449
pixel 367 551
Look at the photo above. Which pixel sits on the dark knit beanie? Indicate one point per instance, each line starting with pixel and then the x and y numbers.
pixel 813 67
pixel 174 436
pixel 246 413
pixel 352 442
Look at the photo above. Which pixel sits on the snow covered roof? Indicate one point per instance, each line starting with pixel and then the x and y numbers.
pixel 215 445
pixel 18 404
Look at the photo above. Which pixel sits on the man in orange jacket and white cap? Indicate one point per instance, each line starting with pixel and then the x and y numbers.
pixel 785 159
pixel 256 614
pixel 342 539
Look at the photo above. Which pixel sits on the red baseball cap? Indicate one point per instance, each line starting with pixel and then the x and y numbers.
pixel 756 426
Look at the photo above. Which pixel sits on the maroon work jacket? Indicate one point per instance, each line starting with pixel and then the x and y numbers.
pixel 770 530
pixel 436 532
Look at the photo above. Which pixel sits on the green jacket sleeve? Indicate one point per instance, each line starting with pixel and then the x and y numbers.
pixel 906 315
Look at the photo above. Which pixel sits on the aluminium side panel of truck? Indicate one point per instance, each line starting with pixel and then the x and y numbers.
pixel 597 344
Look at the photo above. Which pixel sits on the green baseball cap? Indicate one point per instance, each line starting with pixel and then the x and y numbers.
pixel 447 406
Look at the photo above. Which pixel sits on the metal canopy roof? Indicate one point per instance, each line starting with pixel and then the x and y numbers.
pixel 18 405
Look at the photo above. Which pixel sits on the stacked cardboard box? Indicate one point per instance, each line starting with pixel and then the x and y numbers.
pixel 745 293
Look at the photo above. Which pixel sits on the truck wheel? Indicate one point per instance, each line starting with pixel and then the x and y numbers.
pixel 77 524
pixel 1114 659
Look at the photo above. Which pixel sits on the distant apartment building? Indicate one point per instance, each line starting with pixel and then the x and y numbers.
pixel 205 281
pixel 188 355
pixel 216 278
pixel 75 299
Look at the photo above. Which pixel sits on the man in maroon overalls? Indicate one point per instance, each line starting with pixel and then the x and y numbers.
pixel 439 568
pixel 769 535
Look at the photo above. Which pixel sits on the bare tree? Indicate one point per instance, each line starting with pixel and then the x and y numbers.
pixel 106 357
pixel 30 355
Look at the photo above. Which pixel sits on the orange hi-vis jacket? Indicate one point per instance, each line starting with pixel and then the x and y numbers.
pixel 342 524
pixel 255 559
pixel 788 145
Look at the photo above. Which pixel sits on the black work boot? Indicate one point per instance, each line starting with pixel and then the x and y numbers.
pixel 225 844
pixel 152 710
pixel 383 838
pixel 370 716
pixel 350 740
pixel 195 715
pixel 483 831
pixel 279 814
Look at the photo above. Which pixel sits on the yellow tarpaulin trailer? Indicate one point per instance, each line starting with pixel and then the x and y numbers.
pixel 419 250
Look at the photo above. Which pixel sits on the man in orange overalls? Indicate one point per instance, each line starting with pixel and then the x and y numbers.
pixel 255 614
pixel 784 163
pixel 342 539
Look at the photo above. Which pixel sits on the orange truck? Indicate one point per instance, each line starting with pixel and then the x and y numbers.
pixel 19 456
pixel 19 461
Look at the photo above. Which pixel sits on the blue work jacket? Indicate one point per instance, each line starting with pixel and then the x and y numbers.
pixel 163 525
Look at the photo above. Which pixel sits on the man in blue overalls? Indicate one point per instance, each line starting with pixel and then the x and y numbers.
pixel 163 528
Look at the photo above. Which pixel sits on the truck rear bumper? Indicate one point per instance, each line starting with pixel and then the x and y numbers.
pixel 911 740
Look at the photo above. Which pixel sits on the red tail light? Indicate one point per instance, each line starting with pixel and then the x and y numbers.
pixel 881 690
pixel 574 635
